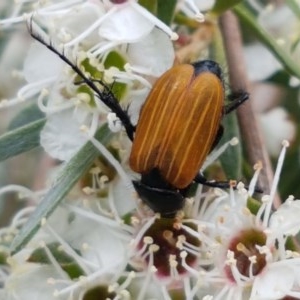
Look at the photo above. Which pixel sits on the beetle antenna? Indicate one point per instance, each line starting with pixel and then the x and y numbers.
pixel 106 96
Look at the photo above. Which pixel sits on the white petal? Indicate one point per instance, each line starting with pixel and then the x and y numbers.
pixel 123 198
pixel 88 15
pixel 61 136
pixel 260 62
pixel 105 248
pixel 276 127
pixel 274 283
pixel 154 53
pixel 29 282
pixel 41 63
pixel 125 25
pixel 286 218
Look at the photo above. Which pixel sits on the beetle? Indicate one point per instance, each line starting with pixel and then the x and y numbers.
pixel 179 124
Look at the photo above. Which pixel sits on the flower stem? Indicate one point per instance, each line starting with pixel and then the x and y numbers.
pixel 250 130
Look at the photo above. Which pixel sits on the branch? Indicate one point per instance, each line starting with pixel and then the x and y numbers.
pixel 250 130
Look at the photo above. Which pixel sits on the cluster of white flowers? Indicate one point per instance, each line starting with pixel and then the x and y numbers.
pixel 283 25
pixel 96 247
pixel 102 243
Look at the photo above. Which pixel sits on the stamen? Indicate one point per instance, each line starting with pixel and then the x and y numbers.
pixel 217 153
pixel 98 218
pixel 150 271
pixel 53 108
pixel 25 192
pixel 257 167
pixel 114 162
pixel 90 29
pixel 253 260
pixel 186 266
pixel 198 15
pixel 22 216
pixel 285 145
pixel 143 230
pixel 173 263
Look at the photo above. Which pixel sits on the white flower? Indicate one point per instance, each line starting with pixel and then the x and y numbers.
pixel 283 26
pixel 252 255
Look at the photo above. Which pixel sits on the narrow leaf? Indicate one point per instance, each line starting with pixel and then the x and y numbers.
pixel 29 114
pixel 231 159
pixel 21 139
pixel 66 179
pixel 279 52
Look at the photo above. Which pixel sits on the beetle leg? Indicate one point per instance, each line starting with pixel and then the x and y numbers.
pixel 220 184
pixel 236 100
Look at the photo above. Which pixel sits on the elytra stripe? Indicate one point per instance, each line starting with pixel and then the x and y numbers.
pixel 146 129
pixel 145 126
pixel 207 113
pixel 162 123
pixel 211 132
pixel 176 102
pixel 155 117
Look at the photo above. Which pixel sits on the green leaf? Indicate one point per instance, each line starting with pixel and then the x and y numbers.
pixel 63 259
pixel 29 114
pixel 166 10
pixel 21 139
pixel 66 179
pixel 231 159
pixel 279 52
pixel 221 5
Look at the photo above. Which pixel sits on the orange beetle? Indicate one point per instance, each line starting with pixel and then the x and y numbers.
pixel 179 124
